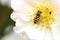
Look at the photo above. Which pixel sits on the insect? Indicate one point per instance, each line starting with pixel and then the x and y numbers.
pixel 50 12
pixel 36 19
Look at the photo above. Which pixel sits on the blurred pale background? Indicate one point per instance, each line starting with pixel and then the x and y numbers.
pixel 5 20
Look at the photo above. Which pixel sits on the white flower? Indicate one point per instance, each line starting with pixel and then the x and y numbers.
pixel 38 18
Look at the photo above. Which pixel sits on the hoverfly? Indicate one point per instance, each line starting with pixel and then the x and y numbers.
pixel 36 19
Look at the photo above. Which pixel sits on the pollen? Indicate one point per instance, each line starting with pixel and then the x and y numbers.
pixel 44 17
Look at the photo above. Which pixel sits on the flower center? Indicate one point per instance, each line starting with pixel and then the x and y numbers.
pixel 44 17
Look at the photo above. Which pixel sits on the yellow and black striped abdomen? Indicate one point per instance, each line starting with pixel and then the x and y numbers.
pixel 36 19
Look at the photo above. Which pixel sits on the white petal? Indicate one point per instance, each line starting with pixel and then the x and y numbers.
pixel 18 5
pixel 48 35
pixel 56 31
pixel 18 29
pixel 31 32
pixel 13 17
pixel 21 10
pixel 34 2
pixel 21 15
pixel 56 3
pixel 39 35
pixel 20 26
